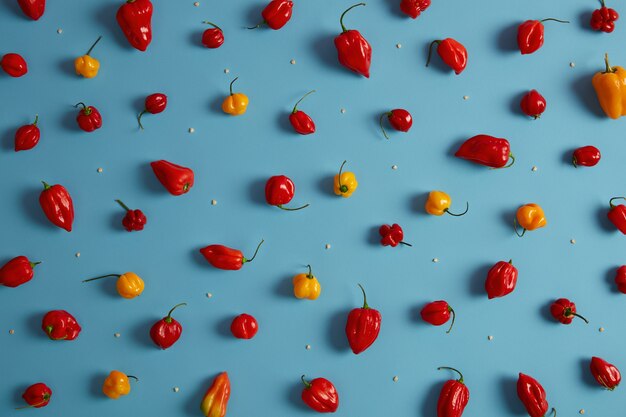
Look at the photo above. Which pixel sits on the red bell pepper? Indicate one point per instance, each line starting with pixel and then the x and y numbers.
pixel 586 156
pixel 391 235
pixel 17 271
pixel 564 311
pixel 300 121
pixel 37 395
pixel 60 325
pixel 353 50
pixel 320 395
pixel 605 373
pixel 399 119
pixel 27 136
pixel 88 118
pixel 276 14
pixel 620 279
pixel 33 8
pixel 438 313
pixel 617 214
pixel 533 104
pixel 452 53
pixel 501 279
pixel 223 257
pixel 530 35
pixel 155 104
pixel 135 19
pixel 134 220
pixel 453 397
pixel 533 396
pixel 244 326
pixel 603 19
pixel 363 326
pixel 57 205
pixel 279 190
pixel 165 332
pixel 486 150
pixel 14 65
pixel 176 179
pixel 414 8
pixel 213 37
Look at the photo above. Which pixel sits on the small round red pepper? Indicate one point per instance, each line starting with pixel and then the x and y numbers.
pixel 57 205
pixel 165 332
pixel 486 150
pixel 353 50
pixel 155 104
pixel 605 373
pixel 60 325
pixel 438 313
pixel 501 279
pixel 320 395
pixel 213 37
pixel 533 104
pixel 33 8
pixel 37 395
pixel 414 8
pixel 27 136
pixel 276 14
pixel 617 214
pixel 362 326
pixel 453 397
pixel 300 121
pixel 176 179
pixel 586 156
pixel 134 220
pixel 88 118
pixel 452 53
pixel 530 35
pixel 603 19
pixel 223 257
pixel 17 271
pixel 392 235
pixel 533 396
pixel 399 119
pixel 244 326
pixel 279 190
pixel 620 279
pixel 564 311
pixel 14 65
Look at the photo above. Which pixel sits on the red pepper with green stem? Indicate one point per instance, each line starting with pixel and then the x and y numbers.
pixel 320 395
pixel 27 136
pixel 501 279
pixel 452 53
pixel 276 14
pixel 392 235
pixel 530 35
pixel 176 179
pixel 617 214
pixel 60 325
pixel 533 104
pixel 88 118
pixel 353 50
pixel 486 150
pixel 57 205
pixel 399 119
pixel 279 190
pixel 165 332
pixel 302 122
pixel 33 8
pixel 453 397
pixel 134 220
pixel 564 311
pixel 438 313
pixel 603 19
pixel 605 373
pixel 155 104
pixel 17 271
pixel 533 396
pixel 135 19
pixel 586 156
pixel 36 396
pixel 223 257
pixel 213 37
pixel 362 326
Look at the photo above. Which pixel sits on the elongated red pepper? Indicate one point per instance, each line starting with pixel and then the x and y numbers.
pixel 501 279
pixel 215 401
pixel 486 150
pixel 530 35
pixel 223 257
pixel 533 396
pixel 155 104
pixel 533 104
pixel 135 19
pixel 17 271
pixel 413 8
pixel 320 395
pixel 438 313
pixel 27 136
pixel 617 214
pixel 33 8
pixel 587 156
pixel 279 190
pixel 620 279
pixel 276 14
pixel 399 119
pixel 564 311
pixel 353 50
pixel 302 122
pixel 60 325
pixel 391 235
pixel 244 326
pixel 452 53
pixel 453 397
pixel 14 65
pixel 605 373
pixel 88 118
pixel 176 179
pixel 165 332
pixel 57 205
pixel 37 395
pixel 213 37
pixel 363 326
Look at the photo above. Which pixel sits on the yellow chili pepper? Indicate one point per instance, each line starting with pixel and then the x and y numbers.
pixel 86 65
pixel 529 217
pixel 306 286
pixel 439 203
pixel 117 384
pixel 345 182
pixel 129 285
pixel 235 104
pixel 610 87
pixel 216 398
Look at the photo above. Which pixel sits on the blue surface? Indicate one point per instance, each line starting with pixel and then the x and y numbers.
pixel 233 156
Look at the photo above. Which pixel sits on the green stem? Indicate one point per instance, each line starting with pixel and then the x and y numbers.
pixel 305 382
pixel 364 297
pixel 554 20
pixel 460 214
pixel 168 319
pixel 430 50
pixel 45 185
pixel 124 206
pixel 343 28
pixel 512 161
pixel 310 274
pixel 615 198
pixel 380 121
pixel 231 85
pixel 569 312
pixel 453 369
pixel 36 120
pixel 34 264
pixel 609 69
pixel 133 377
pixel 452 324
pixel 257 26
pixel 255 252
pixel 298 102
pixel 342 188
pixel 405 244
pixel 94 44
pixel 212 24
pixel 102 276
pixel 515 228
pixel 86 111
pixel 139 118
pixel 292 209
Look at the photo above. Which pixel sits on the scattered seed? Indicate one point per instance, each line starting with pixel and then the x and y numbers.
pixel 601 329
pixel 572 64
pixel 572 241
pixel 59 31
pixel 175 389
pixel 534 169
pixel 116 334
pixel 11 331
pixel 226 71
pixel 77 254
pixel 395 378
pixel 394 167
pixel 582 411
pixel 327 246
pixel 435 260
pixel 308 347
pixel 197 4
pixel 209 295
pixel 99 170
pixel 213 202
pixel 292 62
pixel 465 97
pixel 343 111
pixel 191 130
pixel 489 337
pixel 398 45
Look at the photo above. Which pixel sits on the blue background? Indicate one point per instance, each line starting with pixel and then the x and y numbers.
pixel 233 156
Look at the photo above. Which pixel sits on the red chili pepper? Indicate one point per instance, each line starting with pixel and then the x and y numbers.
pixel 223 257
pixel 155 104
pixel 530 35
pixel 279 190
pixel 27 136
pixel 244 326
pixel 14 65
pixel 320 395
pixel 37 395
pixel 33 8
pixel 533 104
pixel 620 279
pixel 60 325
pixel 603 19
pixel 414 8
pixel 135 20
pixel 533 396
pixel 586 156
pixel 501 279
pixel 564 311
pixel 176 179
pixel 165 332
pixel 212 37
pixel 354 51
pixel 363 326
pixel 134 220
pixel 486 150
pixel 57 205
pixel 605 373
pixel 17 271
pixel 399 119
pixel 617 214
pixel 438 313
pixel 392 235
pixel 88 118
pixel 452 53
pixel 276 14
pixel 453 397
pixel 302 122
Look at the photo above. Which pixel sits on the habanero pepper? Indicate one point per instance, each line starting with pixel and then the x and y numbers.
pixel 452 53
pixel 14 65
pixel 235 104
pixel 154 104
pixel 176 179
pixel 399 119
pixel 439 203
pixel 605 373
pixel 27 136
pixel 320 395
pixel 165 332
pixel 86 65
pixel 215 401
pixel 413 8
pixel 129 285
pixel 586 156
pixel 37 395
pixel 223 257
pixel 620 279
pixel 533 104
pixel 117 385
pixel 88 118
pixel 617 214
pixel 486 150
pixel 564 311
pixel 57 205
pixel 17 271
pixel 501 279
pixel 276 14
pixel 279 190
pixel 135 19
pixel 610 87
pixel 60 325
pixel 212 37
pixel 300 121
pixel 362 326
pixel 353 50
pixel 533 396
pixel 134 220
pixel 306 285
pixel 438 313
pixel 32 8
pixel 603 19
pixel 453 397
pixel 391 235
pixel 244 326
pixel 529 217
pixel 530 35
pixel 345 183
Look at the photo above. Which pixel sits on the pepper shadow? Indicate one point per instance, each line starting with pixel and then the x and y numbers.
pixel 8 139
pixel 435 60
pixel 256 191
pixel 544 312
pixel 68 122
pixel 395 10
pixel 105 17
pixel 508 217
pixel 585 373
pixel 609 278
pixel 583 88
pixel 323 47
pixel 282 121
pixel 583 21
pixel 508 385
pixel 106 285
pixel 197 257
pixel 567 156
pixel 603 220
pixel 506 40
pixel 415 313
pixel 32 209
pixel 216 105
pixel 32 323
pixel 477 280
pixel 514 105
pixel 66 66
pixel 222 327
pixel 418 202
pixel 195 38
pixel 15 9
pixel 192 403
pixel 141 332
pixel 326 185
pixel 284 287
pixel 17 395
pixel 373 237
pixel 95 385
pixel 254 17
pixel 429 403
pixel 294 395
pixel 455 147
pixel 337 331
pixel 149 180
pixel 388 128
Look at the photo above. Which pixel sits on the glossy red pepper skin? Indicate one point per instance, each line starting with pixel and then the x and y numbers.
pixel 532 395
pixel 603 19
pixel 617 215
pixel 244 326
pixel 620 279
pixel 14 65
pixel 57 205
pixel 279 190
pixel 223 257
pixel 154 104
pixel 362 326
pixel 413 8
pixel 453 397
pixel 88 118
pixel 176 179
pixel 135 19
pixel 400 119
pixel 27 136
pixel 37 395
pixel 605 373
pixel 564 311
pixel 501 279
pixel 300 121
pixel 486 150
pixel 165 332
pixel 33 8
pixel 533 104
pixel 134 220
pixel 438 313
pixel 17 271
pixel 353 50
pixel 277 13
pixel 452 53
pixel 391 235
pixel 60 325
pixel 213 37
pixel 530 35
pixel 587 156
pixel 320 395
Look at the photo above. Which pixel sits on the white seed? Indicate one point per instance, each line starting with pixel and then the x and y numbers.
pixel 465 97
pixel 601 329
pixel 292 62
pixel 395 378
pixel 435 260
pixel 59 31
pixel 489 337
pixel 197 4
pixel 213 202
pixel 343 111
pixel 175 389
pixel 191 130
pixel 327 246
pixel 534 169
pixel 398 45
pixel 226 71
pixel 572 64
pixel 77 254
pixel 308 347
pixel 209 295
pixel 582 411
pixel 11 331
pixel 116 334
pixel 99 170
pixel 572 241
pixel 394 167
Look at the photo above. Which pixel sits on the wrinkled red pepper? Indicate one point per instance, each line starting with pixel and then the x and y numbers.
pixel 399 119
pixel 27 136
pixel 276 14
pixel 603 19
pixel 223 257
pixel 501 279
pixel 155 104
pixel 530 35
pixel 88 118
pixel 165 332
pixel 37 395
pixel 605 373
pixel 134 220
pixel 452 53
pixel 354 51
pixel 135 19
pixel 617 214
pixel 486 150
pixel 14 65
pixel 453 397
pixel 438 313
pixel 320 395
pixel 620 279
pixel 533 396
pixel 564 311
pixel 300 121
pixel 57 205
pixel 586 156
pixel 33 8
pixel 244 326
pixel 391 235
pixel 414 8
pixel 17 271
pixel 60 325
pixel 362 326
pixel 279 190
pixel 176 179
pixel 533 104
pixel 213 37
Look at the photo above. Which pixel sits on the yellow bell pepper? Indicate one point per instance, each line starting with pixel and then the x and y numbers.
pixel 439 203
pixel 306 286
pixel 129 285
pixel 235 104
pixel 86 65
pixel 216 398
pixel 117 385
pixel 345 183
pixel 529 217
pixel 610 87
